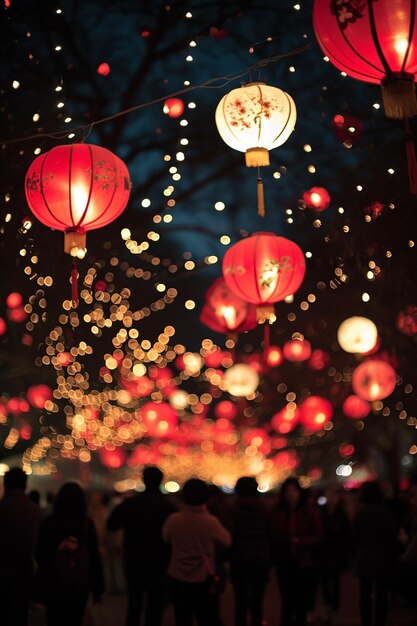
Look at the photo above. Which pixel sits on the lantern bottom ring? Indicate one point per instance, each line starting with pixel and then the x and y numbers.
pixel 256 157
pixel 399 95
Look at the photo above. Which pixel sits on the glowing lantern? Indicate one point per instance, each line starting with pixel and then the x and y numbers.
pixel 179 399
pixel 407 320
pixel 318 360
pixel 14 300
pixel 138 386
pixel 114 458
pixel 3 326
pixel 373 42
pixel 103 69
pixel 258 438
pixel 224 311
pixel 226 410
pixel 355 407
pixel 374 380
pixel 315 412
pixel 297 350
pixel 286 419
pixel 357 335
pixel 254 119
pixel 159 418
pixel 38 395
pixel 317 198
pixel 77 188
pixel 173 107
pixel 241 380
pixel 264 268
pixel 273 356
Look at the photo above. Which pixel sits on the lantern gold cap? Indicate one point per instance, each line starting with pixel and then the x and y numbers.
pixel 257 157
pixel 75 243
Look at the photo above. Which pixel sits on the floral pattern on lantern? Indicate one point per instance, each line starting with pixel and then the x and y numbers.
pixel 264 268
pixel 373 41
pixel 374 380
pixel 357 335
pixel 254 119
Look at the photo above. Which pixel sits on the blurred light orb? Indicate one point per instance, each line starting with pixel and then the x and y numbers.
pixel 241 380
pixel 103 69
pixel 355 407
pixel 173 107
pixel 357 335
pixel 374 380
pixel 315 412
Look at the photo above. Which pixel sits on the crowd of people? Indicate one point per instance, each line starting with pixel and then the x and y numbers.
pixel 183 549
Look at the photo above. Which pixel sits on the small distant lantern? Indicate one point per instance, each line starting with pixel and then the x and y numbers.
pixel 357 335
pixel 315 412
pixel 138 386
pixel 355 407
pixel 38 395
pixel 273 356
pixel 254 119
pixel 226 409
pixel 318 360
pixel 317 198
pixel 264 269
pixel 226 312
pixel 241 380
pixel 374 380
pixel 286 419
pixel 159 418
pixel 258 438
pixel 113 458
pixel 173 107
pixel 103 69
pixel 407 320
pixel 14 300
pixel 297 350
pixel 76 188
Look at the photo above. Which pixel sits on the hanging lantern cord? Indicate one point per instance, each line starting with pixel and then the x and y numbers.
pixel 411 158
pixel 266 336
pixel 74 284
pixel 261 201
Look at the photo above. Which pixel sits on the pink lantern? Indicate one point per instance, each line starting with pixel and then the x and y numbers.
pixel 374 380
pixel 315 412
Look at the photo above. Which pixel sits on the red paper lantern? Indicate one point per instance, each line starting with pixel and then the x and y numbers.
pixel 38 395
pixel 317 198
pixel 273 356
pixel 224 311
pixel 113 458
pixel 77 188
pixel 264 268
pixel 173 107
pixel 374 380
pixel 159 418
pixel 286 419
pixel 355 407
pixel 374 42
pixel 14 300
pixel 297 350
pixel 315 412
pixel 103 69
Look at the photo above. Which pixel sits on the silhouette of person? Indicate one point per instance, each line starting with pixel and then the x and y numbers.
pixel 334 549
pixel 193 534
pixel 145 553
pixel 297 530
pixel 250 554
pixel 19 523
pixel 67 553
pixel 376 550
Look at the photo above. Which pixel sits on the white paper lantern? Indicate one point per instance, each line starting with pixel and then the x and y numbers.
pixel 254 119
pixel 357 335
pixel 241 380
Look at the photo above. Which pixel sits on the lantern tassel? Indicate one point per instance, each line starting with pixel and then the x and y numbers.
pixel 74 285
pixel 399 96
pixel 411 160
pixel 261 201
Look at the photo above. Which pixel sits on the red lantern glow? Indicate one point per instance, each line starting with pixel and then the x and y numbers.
pixel 77 188
pixel 297 350
pixel 224 311
pixel 356 408
pixel 264 268
pixel 226 410
pixel 173 107
pixel 318 360
pixel 113 458
pixel 103 69
pixel 317 198
pixel 14 300
pixel 3 326
pixel 315 412
pixel 373 42
pixel 38 395
pixel 286 419
pixel 138 386
pixel 273 356
pixel 374 380
pixel 159 418
pixel 258 438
